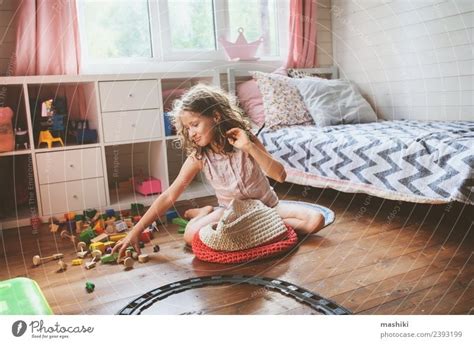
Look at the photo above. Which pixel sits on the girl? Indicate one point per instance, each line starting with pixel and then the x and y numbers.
pixel 218 141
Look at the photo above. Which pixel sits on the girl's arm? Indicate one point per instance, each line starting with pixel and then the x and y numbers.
pixel 272 168
pixel 188 171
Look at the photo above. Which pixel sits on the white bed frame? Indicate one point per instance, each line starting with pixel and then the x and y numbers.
pixel 233 73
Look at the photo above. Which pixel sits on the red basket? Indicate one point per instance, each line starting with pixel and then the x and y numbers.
pixel 276 247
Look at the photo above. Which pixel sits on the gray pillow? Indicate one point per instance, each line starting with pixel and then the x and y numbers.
pixel 332 102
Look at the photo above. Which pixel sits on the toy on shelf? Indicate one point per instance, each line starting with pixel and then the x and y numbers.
pixel 81 133
pixel 21 138
pixel 146 185
pixel 45 136
pixel 170 129
pixel 7 139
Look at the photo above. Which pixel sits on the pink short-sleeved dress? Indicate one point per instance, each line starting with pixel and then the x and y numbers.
pixel 237 175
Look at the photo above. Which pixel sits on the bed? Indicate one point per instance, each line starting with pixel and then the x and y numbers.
pixel 415 161
pixel 406 160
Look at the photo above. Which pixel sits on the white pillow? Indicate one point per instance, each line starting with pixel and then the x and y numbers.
pixel 332 102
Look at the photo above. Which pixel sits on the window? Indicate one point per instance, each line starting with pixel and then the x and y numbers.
pixel 177 30
pixel 115 29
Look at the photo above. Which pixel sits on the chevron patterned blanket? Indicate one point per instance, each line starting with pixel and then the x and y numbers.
pixel 415 161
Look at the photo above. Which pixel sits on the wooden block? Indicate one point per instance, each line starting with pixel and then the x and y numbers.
pixel 100 237
pixel 90 265
pixel 143 258
pixel 53 228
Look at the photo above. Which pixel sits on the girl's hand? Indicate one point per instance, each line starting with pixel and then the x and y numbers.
pixel 239 139
pixel 130 240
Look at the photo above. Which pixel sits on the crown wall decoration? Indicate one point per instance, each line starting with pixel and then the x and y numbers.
pixel 241 50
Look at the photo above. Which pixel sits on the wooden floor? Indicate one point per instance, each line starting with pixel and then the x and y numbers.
pixel 379 257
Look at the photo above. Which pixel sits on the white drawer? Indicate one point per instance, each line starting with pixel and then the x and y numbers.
pixel 129 95
pixel 131 125
pixel 72 196
pixel 67 165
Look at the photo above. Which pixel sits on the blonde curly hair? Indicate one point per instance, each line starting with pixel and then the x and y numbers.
pixel 208 101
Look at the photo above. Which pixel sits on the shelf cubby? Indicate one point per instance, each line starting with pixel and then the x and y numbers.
pixel 135 160
pixel 76 101
pixel 18 195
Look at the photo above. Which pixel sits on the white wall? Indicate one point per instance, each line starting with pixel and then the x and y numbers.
pixel 412 59
pixel 7 34
pixel 323 35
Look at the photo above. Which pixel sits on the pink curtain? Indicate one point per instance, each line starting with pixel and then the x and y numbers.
pixel 47 41
pixel 302 47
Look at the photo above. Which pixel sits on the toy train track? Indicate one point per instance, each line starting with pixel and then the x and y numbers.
pixel 302 295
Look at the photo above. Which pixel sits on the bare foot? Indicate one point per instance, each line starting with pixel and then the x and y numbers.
pixel 195 212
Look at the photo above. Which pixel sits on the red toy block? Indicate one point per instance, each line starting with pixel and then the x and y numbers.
pixel 145 237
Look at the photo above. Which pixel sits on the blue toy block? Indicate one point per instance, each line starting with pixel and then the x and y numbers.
pixel 110 213
pixel 71 226
pixel 171 214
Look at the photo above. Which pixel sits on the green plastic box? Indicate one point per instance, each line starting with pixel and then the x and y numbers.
pixel 22 296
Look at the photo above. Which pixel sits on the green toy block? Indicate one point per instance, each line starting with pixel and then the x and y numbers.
pixel 90 213
pixel 179 221
pixel 87 235
pixel 79 217
pixel 181 230
pixel 90 287
pixel 137 209
pixel 109 258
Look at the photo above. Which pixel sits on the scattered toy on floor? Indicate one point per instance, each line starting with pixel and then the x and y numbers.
pixel 82 252
pixel 156 248
pixel 96 255
pixel 37 260
pixel 77 261
pixel 65 235
pixel 62 265
pixel 90 287
pixel 143 258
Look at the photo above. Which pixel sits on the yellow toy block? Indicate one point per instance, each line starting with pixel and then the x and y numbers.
pixel 117 237
pixel 77 261
pixel 97 246
pixel 108 244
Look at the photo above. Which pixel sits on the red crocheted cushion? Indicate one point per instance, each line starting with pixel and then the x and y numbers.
pixel 267 250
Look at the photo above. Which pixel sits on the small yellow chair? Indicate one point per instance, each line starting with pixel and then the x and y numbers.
pixel 45 136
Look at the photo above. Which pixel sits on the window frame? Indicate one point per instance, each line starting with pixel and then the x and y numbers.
pixel 162 54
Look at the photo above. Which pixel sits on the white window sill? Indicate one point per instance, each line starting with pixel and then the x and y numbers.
pixel 128 67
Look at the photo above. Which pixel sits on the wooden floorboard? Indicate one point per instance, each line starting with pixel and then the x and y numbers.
pixel 378 257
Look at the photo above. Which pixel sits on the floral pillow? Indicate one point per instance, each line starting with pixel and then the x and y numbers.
pixel 282 102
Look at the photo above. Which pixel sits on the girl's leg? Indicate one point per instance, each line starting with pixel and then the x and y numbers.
pixel 195 212
pixel 304 220
pixel 197 223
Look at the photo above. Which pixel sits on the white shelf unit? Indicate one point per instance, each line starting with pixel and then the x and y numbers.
pixel 127 112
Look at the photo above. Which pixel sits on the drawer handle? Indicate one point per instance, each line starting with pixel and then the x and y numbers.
pixel 130 95
pixel 133 125
pixel 71 165
pixel 74 196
